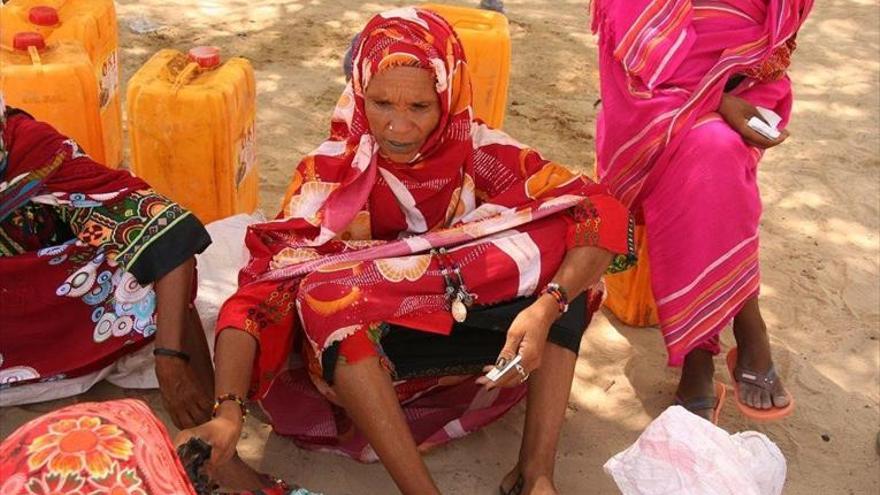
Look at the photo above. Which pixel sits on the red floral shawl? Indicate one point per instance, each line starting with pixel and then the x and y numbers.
pixel 90 448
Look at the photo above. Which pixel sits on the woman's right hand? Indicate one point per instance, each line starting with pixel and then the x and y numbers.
pixel 221 433
pixel 183 398
pixel 737 112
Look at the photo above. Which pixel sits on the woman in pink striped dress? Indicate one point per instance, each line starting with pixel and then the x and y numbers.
pixel 679 81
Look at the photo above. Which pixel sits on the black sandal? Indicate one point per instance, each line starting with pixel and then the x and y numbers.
pixel 712 403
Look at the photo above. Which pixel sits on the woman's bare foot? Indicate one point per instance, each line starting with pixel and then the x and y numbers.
pixel 753 354
pixel 541 484
pixel 697 382
pixel 237 476
pixel 511 479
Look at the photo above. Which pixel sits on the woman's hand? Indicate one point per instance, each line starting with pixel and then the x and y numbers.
pixel 527 337
pixel 737 112
pixel 221 433
pixel 182 396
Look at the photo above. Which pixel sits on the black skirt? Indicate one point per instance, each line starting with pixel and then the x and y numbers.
pixel 472 344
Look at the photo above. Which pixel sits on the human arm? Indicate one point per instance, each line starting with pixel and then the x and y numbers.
pixel 736 112
pixel 580 269
pixel 234 357
pixel 185 399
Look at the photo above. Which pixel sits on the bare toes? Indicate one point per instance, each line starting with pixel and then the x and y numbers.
pixel 755 397
pixel 781 399
pixel 748 395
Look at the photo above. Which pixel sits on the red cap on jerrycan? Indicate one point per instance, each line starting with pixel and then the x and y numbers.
pixel 207 57
pixel 23 41
pixel 43 16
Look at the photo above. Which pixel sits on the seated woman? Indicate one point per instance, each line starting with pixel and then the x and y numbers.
pixel 415 247
pixel 94 265
pixel 673 144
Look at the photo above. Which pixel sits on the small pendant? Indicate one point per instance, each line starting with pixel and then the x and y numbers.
pixel 459 310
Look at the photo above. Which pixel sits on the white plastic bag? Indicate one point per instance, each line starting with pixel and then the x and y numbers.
pixel 682 454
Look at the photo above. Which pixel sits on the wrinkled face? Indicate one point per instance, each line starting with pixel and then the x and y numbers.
pixel 402 110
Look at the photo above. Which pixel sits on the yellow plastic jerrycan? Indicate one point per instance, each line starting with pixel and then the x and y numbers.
pixel 486 39
pixel 92 23
pixel 191 125
pixel 629 293
pixel 55 84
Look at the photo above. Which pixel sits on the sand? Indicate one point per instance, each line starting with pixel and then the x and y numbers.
pixel 821 251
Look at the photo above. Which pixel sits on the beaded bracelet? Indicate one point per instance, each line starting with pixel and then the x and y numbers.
pixel 225 397
pixel 559 294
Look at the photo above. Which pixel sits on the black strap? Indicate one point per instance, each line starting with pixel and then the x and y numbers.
pixel 161 351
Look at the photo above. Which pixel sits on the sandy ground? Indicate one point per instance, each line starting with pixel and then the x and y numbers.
pixel 821 253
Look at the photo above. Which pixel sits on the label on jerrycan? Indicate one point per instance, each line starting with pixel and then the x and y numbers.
pixel 246 150
pixel 108 79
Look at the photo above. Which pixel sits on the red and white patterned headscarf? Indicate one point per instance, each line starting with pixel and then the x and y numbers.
pixel 335 181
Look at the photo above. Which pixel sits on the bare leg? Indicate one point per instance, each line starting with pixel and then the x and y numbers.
pixel 366 392
pixel 549 389
pixel 697 379
pixel 753 348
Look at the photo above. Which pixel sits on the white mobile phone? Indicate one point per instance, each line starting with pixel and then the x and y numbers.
pixel 763 128
pixel 496 374
pixel 769 116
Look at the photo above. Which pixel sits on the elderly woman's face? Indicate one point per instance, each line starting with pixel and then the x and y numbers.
pixel 402 109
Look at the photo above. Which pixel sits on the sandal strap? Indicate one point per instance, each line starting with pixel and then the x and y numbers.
pixel 697 403
pixel 766 381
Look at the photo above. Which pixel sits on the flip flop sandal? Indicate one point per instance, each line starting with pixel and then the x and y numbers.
pixel 516 489
pixel 273 486
pixel 715 402
pixel 766 381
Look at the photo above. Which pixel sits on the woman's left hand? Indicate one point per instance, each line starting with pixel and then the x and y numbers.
pixel 527 337
pixel 737 112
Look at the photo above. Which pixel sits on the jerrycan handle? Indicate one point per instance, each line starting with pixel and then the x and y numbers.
pixel 201 58
pixel 31 43
pixel 35 56
pixel 185 76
